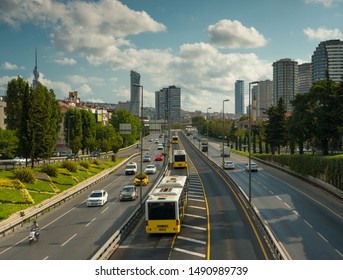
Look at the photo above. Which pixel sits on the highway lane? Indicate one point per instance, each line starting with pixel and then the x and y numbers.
pixel 74 231
pixel 307 220
pixel 215 225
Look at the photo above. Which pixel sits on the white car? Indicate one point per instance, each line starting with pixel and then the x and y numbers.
pixel 97 198
pixel 19 160
pixel 229 165
pixel 253 167
pixel 131 168
pixel 150 169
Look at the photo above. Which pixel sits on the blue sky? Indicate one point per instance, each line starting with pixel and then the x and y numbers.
pixel 201 46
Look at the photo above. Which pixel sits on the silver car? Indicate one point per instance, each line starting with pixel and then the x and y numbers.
pixel 128 192
pixel 97 198
pixel 150 169
pixel 229 165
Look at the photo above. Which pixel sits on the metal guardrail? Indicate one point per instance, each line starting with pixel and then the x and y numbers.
pixel 35 211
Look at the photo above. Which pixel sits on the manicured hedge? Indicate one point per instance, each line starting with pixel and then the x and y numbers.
pixel 328 168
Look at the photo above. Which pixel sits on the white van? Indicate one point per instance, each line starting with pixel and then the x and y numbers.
pixel 160 147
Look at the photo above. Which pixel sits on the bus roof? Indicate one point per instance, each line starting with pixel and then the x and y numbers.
pixel 170 188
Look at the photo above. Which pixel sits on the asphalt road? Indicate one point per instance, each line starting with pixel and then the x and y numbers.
pixel 307 221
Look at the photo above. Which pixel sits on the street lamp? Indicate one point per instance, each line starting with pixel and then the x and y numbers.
pixel 223 132
pixel 141 140
pixel 249 140
pixel 207 128
pixel 69 118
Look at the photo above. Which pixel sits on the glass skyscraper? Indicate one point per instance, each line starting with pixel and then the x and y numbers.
pixel 135 78
pixel 328 56
pixel 168 104
pixel 239 97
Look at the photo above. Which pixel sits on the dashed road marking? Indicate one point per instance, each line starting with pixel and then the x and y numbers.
pixel 190 252
pixel 192 240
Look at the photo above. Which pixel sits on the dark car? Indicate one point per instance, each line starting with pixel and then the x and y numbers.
pixel 128 192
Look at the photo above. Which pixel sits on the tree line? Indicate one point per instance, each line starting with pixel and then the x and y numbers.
pixel 315 123
pixel 34 120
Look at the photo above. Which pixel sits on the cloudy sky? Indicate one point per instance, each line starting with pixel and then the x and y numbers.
pixel 201 46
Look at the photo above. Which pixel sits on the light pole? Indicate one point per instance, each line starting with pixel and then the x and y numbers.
pixel 69 118
pixel 141 140
pixel 207 128
pixel 249 140
pixel 223 132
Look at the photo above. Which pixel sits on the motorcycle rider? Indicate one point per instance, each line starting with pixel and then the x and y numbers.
pixel 35 228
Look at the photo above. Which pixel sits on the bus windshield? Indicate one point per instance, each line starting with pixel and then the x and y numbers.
pixel 161 211
pixel 179 157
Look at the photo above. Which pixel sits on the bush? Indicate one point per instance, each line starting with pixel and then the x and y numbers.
pixel 96 162
pixel 85 164
pixel 25 175
pixel 70 165
pixel 50 170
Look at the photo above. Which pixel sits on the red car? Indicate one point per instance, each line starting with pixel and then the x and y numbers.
pixel 158 157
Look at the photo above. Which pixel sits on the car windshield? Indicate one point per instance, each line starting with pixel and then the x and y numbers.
pixel 130 166
pixel 96 194
pixel 150 166
pixel 128 189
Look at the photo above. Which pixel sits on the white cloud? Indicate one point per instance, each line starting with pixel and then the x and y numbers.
pixel 80 25
pixel 65 61
pixel 325 3
pixel 232 34
pixel 78 79
pixel 85 90
pixel 9 66
pixel 322 34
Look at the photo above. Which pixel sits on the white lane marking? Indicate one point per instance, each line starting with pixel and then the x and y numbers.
pixel 323 237
pixel 46 258
pixel 196 207
pixel 278 197
pixel 90 222
pixel 194 227
pixel 192 240
pixel 104 210
pixel 193 195
pixel 196 216
pixel 68 240
pixel 296 213
pixel 306 222
pixel 287 205
pixel 190 252
pixel 200 200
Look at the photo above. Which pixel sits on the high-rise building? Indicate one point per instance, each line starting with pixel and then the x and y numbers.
pixel 135 79
pixel 304 77
pixel 168 104
pixel 35 73
pixel 328 56
pixel 264 97
pixel 285 81
pixel 239 97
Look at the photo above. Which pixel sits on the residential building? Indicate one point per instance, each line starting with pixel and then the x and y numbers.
pixel 328 56
pixel 168 104
pixel 304 77
pixel 239 97
pixel 264 98
pixel 285 81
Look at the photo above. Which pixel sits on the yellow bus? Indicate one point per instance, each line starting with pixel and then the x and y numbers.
pixel 175 139
pixel 179 159
pixel 166 205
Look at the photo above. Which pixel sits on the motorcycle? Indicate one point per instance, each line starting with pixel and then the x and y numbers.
pixel 33 235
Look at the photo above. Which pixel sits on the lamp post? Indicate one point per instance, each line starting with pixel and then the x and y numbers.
pixel 69 118
pixel 141 140
pixel 249 140
pixel 223 132
pixel 207 128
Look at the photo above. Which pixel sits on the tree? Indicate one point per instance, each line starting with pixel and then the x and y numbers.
pixel 73 129
pixel 325 99
pixel 122 116
pixel 14 99
pixel 88 131
pixel 40 123
pixel 276 126
pixel 8 143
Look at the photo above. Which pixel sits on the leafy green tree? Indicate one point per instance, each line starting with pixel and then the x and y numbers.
pixel 73 129
pixel 325 98
pixel 8 143
pixel 88 131
pixel 40 123
pixel 276 126
pixel 14 99
pixel 122 116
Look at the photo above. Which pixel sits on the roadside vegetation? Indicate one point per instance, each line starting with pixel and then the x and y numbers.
pixel 25 187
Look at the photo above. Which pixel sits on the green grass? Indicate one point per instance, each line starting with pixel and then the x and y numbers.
pixel 12 200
